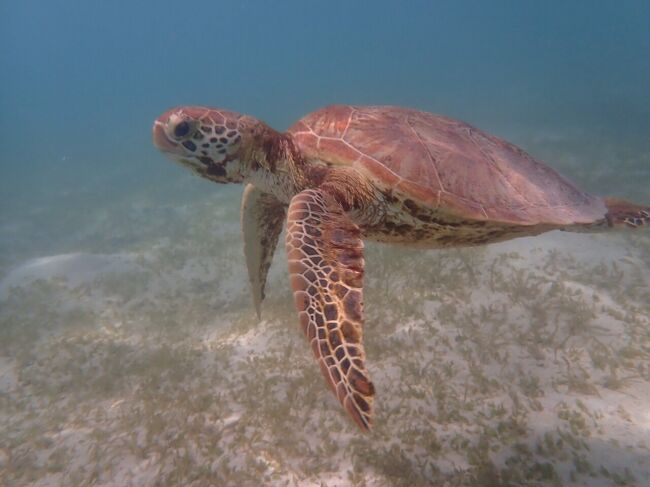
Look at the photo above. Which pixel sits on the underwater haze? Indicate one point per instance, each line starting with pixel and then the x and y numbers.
pixel 130 351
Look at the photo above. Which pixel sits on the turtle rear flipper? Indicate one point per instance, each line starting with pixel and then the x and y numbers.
pixel 621 213
pixel 325 254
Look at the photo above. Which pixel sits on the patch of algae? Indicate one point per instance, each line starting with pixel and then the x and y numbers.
pixel 518 364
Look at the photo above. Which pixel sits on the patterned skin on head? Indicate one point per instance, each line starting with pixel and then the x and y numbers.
pixel 209 142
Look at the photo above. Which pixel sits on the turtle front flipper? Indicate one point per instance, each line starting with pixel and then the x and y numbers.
pixel 325 255
pixel 262 215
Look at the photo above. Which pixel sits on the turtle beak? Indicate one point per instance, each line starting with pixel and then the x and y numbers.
pixel 160 139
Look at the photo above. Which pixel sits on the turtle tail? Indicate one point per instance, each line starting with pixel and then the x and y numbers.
pixel 623 214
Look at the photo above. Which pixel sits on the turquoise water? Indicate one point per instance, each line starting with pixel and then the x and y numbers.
pixel 129 351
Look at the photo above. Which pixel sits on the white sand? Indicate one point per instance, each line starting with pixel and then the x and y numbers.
pixel 523 363
pixel 75 269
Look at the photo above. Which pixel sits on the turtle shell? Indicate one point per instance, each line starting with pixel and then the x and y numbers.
pixel 443 163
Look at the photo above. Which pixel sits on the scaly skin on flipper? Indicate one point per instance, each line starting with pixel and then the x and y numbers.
pixel 326 265
pixel 621 213
pixel 262 216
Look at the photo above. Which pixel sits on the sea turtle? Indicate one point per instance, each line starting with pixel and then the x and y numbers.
pixel 347 173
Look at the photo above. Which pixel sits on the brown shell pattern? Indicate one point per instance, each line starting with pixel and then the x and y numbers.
pixel 444 163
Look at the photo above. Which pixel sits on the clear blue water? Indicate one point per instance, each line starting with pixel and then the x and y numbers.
pixel 81 83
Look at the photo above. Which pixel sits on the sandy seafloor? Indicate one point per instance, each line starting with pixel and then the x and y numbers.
pixel 133 357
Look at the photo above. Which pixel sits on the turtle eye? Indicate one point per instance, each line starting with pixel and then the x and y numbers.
pixel 182 129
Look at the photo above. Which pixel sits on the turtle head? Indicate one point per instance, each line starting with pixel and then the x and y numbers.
pixel 212 143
